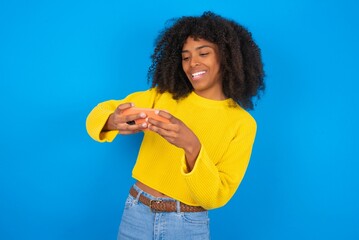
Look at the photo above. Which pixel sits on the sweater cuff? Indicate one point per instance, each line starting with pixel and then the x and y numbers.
pixel 184 169
pixel 95 123
pixel 108 136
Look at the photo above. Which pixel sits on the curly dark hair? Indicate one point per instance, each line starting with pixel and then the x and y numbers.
pixel 241 65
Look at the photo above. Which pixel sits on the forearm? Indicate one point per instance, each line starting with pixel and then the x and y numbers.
pixel 210 187
pixel 191 154
pixel 213 183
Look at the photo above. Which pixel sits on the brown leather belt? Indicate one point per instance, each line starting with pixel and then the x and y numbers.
pixel 163 205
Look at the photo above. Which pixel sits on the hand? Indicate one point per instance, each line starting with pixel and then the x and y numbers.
pixel 118 121
pixel 178 134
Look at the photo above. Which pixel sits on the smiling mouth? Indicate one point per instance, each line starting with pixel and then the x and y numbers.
pixel 197 75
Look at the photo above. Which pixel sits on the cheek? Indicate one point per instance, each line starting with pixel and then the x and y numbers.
pixel 185 70
pixel 217 67
pixel 185 67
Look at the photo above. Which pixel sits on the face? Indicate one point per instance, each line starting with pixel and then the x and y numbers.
pixel 201 63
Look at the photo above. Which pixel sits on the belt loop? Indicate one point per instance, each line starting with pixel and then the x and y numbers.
pixel 178 206
pixel 138 196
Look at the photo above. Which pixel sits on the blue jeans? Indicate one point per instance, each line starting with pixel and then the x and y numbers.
pixel 139 222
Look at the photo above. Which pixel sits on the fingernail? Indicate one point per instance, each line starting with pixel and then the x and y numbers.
pixel 157 112
pixel 142 115
pixel 144 125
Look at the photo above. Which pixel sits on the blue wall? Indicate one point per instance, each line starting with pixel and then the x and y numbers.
pixel 60 58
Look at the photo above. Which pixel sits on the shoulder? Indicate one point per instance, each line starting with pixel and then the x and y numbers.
pixel 242 117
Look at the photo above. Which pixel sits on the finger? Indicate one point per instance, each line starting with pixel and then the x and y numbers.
pixel 164 120
pixel 130 119
pixel 173 125
pixel 155 124
pixel 165 114
pixel 161 130
pixel 124 127
pixel 167 135
pixel 120 118
pixel 122 107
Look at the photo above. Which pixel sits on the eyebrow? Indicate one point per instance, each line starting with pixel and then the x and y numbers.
pixel 197 48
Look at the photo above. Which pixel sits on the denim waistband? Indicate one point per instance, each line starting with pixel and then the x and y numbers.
pixel 141 192
pixel 162 204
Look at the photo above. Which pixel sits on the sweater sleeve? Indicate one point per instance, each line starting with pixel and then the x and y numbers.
pixel 97 118
pixel 212 185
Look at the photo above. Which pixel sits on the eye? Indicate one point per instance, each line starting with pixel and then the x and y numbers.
pixel 185 59
pixel 204 54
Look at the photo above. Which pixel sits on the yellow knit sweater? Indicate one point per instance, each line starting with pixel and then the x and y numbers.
pixel 225 130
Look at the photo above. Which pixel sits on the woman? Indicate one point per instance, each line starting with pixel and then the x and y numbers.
pixel 205 72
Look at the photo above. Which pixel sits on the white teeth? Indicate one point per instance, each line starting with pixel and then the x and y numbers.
pixel 198 73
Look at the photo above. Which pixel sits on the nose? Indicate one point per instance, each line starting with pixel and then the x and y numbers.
pixel 194 62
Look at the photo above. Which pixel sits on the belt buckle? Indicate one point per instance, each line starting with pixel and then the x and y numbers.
pixel 154 201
